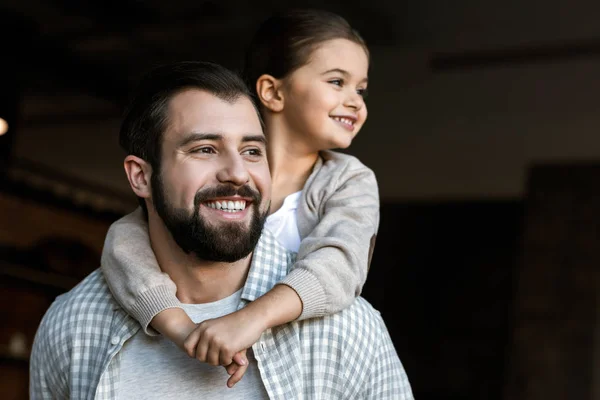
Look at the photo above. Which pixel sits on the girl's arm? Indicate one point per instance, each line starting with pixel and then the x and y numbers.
pixel 137 283
pixel 333 259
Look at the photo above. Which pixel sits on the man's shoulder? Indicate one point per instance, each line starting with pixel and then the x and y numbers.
pixel 90 300
pixel 360 324
pixel 74 337
pixel 92 290
pixel 270 255
pixel 362 317
pixel 271 262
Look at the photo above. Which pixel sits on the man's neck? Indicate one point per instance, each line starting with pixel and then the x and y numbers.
pixel 198 281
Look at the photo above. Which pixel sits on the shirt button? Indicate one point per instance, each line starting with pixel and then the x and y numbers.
pixel 115 340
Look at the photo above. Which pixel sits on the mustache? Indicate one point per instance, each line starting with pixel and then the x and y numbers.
pixel 206 194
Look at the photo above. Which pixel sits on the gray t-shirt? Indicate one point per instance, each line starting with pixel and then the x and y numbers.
pixel 155 368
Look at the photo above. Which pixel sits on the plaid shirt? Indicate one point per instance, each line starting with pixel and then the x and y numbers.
pixel 348 355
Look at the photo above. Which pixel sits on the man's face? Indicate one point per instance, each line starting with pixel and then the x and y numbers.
pixel 213 188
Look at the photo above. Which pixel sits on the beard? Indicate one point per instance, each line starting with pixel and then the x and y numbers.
pixel 227 242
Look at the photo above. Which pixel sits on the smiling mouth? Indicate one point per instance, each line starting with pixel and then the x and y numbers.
pixel 346 121
pixel 227 205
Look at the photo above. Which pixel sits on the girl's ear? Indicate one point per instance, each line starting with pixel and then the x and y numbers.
pixel 138 173
pixel 269 92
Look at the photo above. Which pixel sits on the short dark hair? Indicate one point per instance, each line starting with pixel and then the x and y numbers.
pixel 285 41
pixel 146 117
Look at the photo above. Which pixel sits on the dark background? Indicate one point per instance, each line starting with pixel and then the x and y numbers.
pixel 482 130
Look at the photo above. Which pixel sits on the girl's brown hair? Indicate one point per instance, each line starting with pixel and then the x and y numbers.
pixel 285 41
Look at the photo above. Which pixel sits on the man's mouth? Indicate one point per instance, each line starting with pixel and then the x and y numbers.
pixel 227 205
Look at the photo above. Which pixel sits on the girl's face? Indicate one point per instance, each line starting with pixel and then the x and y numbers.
pixel 323 100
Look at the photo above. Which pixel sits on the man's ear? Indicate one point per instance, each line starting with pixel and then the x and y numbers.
pixel 138 173
pixel 269 92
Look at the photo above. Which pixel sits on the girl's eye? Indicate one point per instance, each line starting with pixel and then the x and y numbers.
pixel 337 82
pixel 362 92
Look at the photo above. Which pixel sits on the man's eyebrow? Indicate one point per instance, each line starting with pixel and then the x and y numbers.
pixel 343 72
pixel 255 138
pixel 197 136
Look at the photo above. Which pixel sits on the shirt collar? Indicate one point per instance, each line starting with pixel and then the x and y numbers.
pixel 270 264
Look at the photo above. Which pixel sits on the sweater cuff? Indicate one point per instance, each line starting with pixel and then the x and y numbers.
pixel 309 290
pixel 150 303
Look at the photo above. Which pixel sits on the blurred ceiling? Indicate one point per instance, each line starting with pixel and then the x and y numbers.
pixel 101 47
pixel 85 55
pixel 71 63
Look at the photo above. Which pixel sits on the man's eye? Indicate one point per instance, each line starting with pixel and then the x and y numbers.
pixel 253 152
pixel 203 150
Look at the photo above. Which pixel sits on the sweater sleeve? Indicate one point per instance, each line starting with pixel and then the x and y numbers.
pixel 132 272
pixel 333 259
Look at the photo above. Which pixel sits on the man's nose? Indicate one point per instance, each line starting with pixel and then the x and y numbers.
pixel 233 171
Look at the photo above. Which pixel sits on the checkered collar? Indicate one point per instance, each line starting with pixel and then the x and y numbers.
pixel 271 262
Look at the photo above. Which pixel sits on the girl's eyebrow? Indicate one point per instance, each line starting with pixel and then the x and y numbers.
pixel 338 70
pixel 344 73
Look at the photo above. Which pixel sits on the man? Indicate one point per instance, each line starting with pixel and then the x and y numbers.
pixel 211 147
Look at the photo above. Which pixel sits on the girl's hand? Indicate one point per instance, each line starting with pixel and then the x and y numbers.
pixel 237 368
pixel 223 341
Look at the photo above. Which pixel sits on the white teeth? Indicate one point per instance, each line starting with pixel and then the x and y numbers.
pixel 346 121
pixel 228 206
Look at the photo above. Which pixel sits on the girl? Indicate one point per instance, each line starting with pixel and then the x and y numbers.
pixel 309 73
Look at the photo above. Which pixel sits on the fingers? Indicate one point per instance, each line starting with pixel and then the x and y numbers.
pixel 191 342
pixel 207 345
pixel 231 368
pixel 218 354
pixel 240 358
pixel 202 351
pixel 212 347
pixel 237 375
pixel 225 357
pixel 201 343
pixel 237 368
